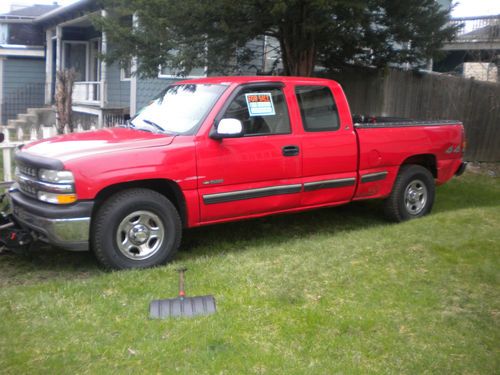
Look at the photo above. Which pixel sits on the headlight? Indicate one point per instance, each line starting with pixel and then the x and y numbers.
pixel 58 177
pixel 56 187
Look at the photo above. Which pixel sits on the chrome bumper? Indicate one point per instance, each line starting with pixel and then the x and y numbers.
pixel 70 233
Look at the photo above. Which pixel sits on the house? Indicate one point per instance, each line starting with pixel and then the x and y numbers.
pixel 55 38
pixel 103 93
pixel 475 52
pixel 22 61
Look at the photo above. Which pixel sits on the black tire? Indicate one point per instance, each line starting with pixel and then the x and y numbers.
pixel 136 228
pixel 412 195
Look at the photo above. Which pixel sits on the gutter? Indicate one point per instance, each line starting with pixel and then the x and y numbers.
pixel 79 5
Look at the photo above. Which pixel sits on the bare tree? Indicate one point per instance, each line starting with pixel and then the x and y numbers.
pixel 63 99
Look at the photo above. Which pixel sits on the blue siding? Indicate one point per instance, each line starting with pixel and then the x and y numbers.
pixel 23 86
pixel 118 91
pixel 147 89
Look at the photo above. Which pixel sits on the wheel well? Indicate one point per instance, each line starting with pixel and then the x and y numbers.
pixel 425 160
pixel 167 188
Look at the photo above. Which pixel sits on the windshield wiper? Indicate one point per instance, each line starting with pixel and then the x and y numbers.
pixel 154 124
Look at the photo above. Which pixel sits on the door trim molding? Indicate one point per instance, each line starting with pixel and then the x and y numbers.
pixel 251 193
pixel 371 177
pixel 328 184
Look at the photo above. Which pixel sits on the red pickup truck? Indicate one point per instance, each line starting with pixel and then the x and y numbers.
pixel 220 149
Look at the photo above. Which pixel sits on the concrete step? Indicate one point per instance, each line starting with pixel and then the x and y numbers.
pixel 15 123
pixel 39 110
pixel 28 118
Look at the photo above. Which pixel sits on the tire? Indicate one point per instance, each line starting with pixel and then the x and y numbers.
pixel 412 195
pixel 136 228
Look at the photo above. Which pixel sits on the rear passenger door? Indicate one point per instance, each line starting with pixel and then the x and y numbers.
pixel 328 145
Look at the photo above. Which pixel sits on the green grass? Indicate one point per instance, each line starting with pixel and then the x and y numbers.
pixel 330 291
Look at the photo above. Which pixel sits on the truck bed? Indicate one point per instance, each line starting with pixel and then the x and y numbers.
pixel 386 143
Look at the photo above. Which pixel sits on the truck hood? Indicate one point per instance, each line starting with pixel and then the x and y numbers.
pixel 79 145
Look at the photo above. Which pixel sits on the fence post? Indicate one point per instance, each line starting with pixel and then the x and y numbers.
pixel 7 171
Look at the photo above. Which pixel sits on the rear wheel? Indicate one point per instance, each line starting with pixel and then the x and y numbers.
pixel 412 195
pixel 136 228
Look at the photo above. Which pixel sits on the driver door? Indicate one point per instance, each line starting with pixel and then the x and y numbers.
pixel 257 173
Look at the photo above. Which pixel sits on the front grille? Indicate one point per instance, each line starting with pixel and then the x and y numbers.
pixel 30 185
pixel 27 186
pixel 29 171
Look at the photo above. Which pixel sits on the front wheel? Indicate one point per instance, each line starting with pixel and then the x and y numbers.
pixel 412 195
pixel 136 228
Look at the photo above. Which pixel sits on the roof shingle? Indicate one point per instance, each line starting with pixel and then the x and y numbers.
pixel 31 11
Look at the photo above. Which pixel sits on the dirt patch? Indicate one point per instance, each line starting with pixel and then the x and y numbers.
pixel 488 169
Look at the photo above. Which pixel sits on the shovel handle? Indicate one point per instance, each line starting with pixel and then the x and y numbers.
pixel 181 271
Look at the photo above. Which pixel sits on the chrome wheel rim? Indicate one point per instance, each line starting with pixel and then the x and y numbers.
pixel 416 196
pixel 140 235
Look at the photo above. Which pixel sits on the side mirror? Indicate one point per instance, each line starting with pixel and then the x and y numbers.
pixel 227 128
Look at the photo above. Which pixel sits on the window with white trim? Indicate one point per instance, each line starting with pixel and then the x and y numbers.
pixel 126 72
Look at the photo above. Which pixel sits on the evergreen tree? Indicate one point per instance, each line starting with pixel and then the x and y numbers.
pixel 192 33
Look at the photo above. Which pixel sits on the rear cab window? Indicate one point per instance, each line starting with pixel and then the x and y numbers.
pixel 317 108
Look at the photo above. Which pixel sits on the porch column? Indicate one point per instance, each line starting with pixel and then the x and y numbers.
pixel 48 67
pixel 1 97
pixel 104 78
pixel 58 58
pixel 58 48
pixel 133 79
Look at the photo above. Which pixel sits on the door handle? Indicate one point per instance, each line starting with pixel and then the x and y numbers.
pixel 291 150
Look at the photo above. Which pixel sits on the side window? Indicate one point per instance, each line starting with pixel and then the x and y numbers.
pixel 317 108
pixel 261 111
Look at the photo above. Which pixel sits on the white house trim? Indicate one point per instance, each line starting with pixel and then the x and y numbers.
pixel 133 79
pixel 104 74
pixel 58 48
pixel 1 87
pixel 48 66
pixel 25 51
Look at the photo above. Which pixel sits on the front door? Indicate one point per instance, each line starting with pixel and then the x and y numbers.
pixel 257 173
pixel 75 57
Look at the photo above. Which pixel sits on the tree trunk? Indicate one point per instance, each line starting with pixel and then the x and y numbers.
pixel 64 101
pixel 298 60
pixel 298 47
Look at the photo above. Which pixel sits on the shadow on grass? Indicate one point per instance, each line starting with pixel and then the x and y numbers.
pixel 278 229
pixel 47 263
pixel 43 263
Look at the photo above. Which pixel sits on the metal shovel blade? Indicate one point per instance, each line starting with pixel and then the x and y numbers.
pixel 182 307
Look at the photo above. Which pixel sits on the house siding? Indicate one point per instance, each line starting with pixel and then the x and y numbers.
pixel 118 91
pixel 23 82
pixel 147 89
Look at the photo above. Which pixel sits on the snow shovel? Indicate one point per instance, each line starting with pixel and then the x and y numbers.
pixel 182 306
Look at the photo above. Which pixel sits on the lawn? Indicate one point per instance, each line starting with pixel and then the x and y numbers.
pixel 331 291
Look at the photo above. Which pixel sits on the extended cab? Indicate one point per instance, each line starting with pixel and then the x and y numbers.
pixel 221 149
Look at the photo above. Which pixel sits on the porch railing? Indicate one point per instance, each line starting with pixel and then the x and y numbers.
pixel 469 27
pixel 87 92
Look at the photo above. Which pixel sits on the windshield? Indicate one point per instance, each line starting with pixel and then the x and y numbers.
pixel 179 109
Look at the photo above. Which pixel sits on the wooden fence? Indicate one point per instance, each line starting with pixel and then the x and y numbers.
pixel 425 96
